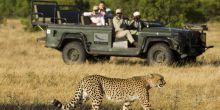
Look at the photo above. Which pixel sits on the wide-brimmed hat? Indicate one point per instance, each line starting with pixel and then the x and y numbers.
pixel 95 8
pixel 136 13
pixel 118 11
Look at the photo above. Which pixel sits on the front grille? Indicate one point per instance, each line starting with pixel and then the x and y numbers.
pixel 191 42
pixel 195 38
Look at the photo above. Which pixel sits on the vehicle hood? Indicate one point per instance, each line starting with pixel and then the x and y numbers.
pixel 163 31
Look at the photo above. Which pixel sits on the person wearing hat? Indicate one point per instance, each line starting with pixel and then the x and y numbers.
pixel 105 10
pixel 120 25
pixel 95 16
pixel 136 24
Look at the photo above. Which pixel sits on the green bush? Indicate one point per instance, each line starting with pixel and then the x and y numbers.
pixel 28 26
pixel 215 19
pixel 3 21
pixel 170 12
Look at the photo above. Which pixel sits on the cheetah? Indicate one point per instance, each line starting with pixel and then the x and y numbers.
pixel 96 87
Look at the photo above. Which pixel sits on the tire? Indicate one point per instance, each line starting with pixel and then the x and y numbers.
pixel 74 53
pixel 160 54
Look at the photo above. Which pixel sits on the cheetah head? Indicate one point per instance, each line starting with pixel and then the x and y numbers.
pixel 156 80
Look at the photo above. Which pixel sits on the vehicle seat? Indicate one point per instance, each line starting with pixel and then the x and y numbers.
pixel 45 13
pixel 69 16
pixel 119 42
pixel 85 20
pixel 109 22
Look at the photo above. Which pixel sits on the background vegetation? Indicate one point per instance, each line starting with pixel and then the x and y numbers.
pixel 170 12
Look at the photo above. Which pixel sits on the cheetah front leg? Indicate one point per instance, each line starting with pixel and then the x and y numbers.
pixel 144 100
pixel 126 105
pixel 96 95
pixel 96 102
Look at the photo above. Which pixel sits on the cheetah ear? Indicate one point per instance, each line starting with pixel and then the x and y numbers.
pixel 150 76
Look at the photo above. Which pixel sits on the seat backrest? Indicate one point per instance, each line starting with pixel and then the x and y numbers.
pixel 43 12
pixel 71 16
pixel 110 22
pixel 47 11
pixel 85 20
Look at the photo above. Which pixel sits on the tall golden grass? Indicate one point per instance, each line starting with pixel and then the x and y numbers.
pixel 32 75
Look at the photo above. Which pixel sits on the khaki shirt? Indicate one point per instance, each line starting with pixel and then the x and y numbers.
pixel 118 23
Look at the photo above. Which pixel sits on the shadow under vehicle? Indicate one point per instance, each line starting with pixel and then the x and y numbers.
pixel 79 40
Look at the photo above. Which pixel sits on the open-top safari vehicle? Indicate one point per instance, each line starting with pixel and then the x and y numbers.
pixel 79 40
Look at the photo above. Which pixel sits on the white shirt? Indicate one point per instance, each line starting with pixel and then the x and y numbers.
pixel 98 19
pixel 107 12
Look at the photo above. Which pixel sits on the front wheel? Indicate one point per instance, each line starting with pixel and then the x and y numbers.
pixel 74 53
pixel 160 54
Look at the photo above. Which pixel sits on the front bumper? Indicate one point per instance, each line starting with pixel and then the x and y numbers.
pixel 195 50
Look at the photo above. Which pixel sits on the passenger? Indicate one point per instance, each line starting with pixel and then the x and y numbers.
pixel 104 10
pixel 136 24
pixel 95 16
pixel 120 24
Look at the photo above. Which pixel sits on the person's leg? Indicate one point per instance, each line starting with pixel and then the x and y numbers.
pixel 129 36
pixel 125 33
pixel 120 34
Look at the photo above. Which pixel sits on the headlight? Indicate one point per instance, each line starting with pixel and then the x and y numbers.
pixel 203 37
pixel 48 31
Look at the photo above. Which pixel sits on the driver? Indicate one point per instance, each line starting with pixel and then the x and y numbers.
pixel 136 24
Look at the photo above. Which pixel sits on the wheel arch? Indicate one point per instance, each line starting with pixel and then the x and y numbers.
pixel 71 37
pixel 152 41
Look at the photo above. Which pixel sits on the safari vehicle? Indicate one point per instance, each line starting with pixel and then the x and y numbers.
pixel 78 40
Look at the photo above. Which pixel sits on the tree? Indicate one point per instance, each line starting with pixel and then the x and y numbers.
pixel 170 12
pixel 7 7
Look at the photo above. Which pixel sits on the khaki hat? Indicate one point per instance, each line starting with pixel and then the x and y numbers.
pixel 118 11
pixel 137 13
pixel 95 8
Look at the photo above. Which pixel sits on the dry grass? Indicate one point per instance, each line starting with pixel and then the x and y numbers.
pixel 32 75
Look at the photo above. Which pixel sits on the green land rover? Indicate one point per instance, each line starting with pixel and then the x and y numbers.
pixel 78 40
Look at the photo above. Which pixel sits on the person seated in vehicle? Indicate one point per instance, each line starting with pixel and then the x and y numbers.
pixel 95 16
pixel 105 10
pixel 120 25
pixel 136 24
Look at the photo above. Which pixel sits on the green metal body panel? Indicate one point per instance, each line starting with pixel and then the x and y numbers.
pixel 99 40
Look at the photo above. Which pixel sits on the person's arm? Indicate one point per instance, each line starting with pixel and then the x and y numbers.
pixel 95 20
pixel 87 14
pixel 102 20
pixel 98 20
pixel 130 22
